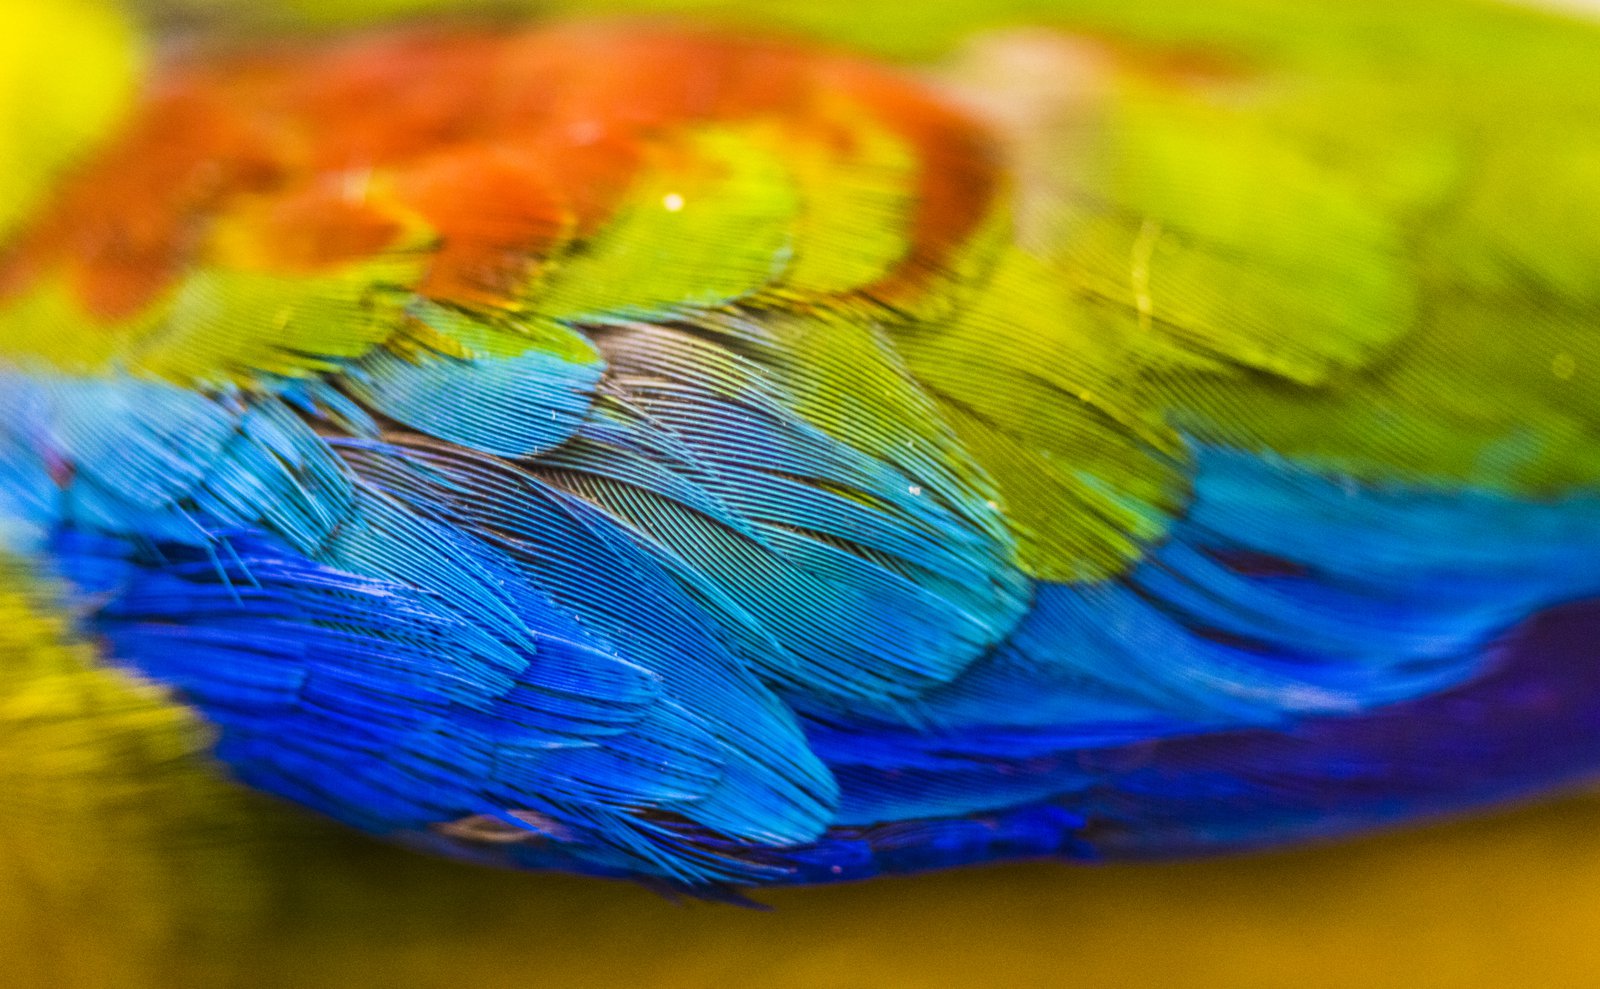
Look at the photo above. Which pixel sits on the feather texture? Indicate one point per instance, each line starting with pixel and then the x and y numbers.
pixel 651 450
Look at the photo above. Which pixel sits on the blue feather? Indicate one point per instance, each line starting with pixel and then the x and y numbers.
pixel 510 406
pixel 704 639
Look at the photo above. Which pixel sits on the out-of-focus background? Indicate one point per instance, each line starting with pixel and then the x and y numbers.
pixel 1509 898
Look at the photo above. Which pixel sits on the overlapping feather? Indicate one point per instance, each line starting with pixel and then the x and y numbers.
pixel 656 452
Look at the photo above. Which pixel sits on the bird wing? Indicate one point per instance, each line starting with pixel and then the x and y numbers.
pixel 660 450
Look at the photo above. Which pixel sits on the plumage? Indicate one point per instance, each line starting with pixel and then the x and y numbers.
pixel 726 457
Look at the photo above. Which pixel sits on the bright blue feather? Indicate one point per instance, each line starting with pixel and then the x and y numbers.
pixel 508 406
pixel 702 638
pixel 869 584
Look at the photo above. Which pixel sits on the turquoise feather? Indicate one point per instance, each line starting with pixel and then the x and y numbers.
pixel 671 525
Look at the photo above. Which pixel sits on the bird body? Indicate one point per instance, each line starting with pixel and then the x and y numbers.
pixel 724 458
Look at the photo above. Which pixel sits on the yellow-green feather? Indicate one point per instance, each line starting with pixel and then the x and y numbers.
pixel 710 225
pixel 1371 245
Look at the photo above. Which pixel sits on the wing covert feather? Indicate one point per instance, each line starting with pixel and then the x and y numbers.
pixel 659 450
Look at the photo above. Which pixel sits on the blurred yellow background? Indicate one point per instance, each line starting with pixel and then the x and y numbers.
pixel 1512 899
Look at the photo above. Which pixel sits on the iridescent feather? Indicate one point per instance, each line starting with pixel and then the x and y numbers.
pixel 652 449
